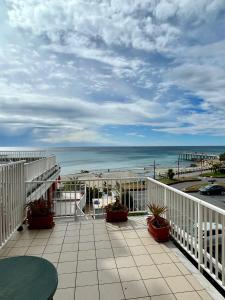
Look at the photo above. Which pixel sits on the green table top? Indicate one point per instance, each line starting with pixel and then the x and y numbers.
pixel 27 278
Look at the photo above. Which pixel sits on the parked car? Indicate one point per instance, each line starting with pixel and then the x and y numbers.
pixel 212 189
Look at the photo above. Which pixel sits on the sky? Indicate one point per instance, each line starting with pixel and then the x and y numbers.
pixel 112 72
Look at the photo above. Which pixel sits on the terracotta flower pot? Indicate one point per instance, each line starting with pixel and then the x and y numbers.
pixel 116 216
pixel 40 222
pixel 160 234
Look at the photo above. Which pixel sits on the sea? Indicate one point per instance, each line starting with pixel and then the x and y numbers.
pixel 75 159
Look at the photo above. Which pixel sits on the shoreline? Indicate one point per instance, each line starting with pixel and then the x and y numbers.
pixel 133 172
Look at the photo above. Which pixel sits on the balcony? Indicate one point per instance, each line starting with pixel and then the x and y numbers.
pixel 94 258
pixel 98 260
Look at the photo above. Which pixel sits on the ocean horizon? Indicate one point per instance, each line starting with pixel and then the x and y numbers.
pixel 74 159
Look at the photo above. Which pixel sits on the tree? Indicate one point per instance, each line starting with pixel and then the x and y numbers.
pixel 222 157
pixel 216 167
pixel 170 174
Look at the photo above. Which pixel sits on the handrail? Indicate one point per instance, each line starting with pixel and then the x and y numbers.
pixel 202 202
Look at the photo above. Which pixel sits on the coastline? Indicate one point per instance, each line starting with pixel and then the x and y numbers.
pixel 135 172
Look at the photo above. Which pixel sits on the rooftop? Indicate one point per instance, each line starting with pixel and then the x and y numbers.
pixel 99 260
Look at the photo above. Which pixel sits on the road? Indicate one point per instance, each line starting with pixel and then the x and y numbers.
pixel 218 200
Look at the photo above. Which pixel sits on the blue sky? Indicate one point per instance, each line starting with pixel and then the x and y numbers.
pixel 110 72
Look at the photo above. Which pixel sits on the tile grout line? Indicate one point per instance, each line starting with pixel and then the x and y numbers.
pixel 116 264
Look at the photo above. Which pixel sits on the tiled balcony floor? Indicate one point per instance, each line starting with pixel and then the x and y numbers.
pixel 98 260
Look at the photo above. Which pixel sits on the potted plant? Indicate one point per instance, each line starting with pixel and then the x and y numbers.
pixel 116 212
pixel 39 214
pixel 158 226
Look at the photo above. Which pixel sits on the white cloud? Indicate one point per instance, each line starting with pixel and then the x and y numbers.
pixel 76 66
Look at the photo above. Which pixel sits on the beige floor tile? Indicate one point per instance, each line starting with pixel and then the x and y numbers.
pixel 66 280
pixel 68 256
pixel 143 233
pixel 154 249
pixel 143 298
pixel 86 292
pixel 52 257
pixel 39 242
pixel 148 241
pixel 173 257
pixel 55 241
pixel 73 226
pixel 188 296
pixel 125 251
pixel 10 244
pixel 134 289
pixel 101 237
pixel 86 265
pixel 116 236
pixel 87 254
pixel 23 243
pixel 194 282
pixel 52 248
pixel 130 234
pixel 72 233
pixel 86 238
pixel 157 287
pixel 87 246
pixel 35 250
pixel 134 242
pixel 66 267
pixel 168 246
pixel 204 295
pixel 17 251
pixel 106 263
pixel 128 274
pixel 104 253
pixel 86 232
pixel 4 251
pixel 182 268
pixel 179 284
pixel 87 278
pixel 143 260
pixel 112 291
pixel 70 239
pixel 60 227
pixel 100 232
pixel 138 250
pixel 118 243
pixel 124 262
pixel 164 297
pixel 57 234
pixel 108 276
pixel 161 258
pixel 168 270
pixel 42 234
pixel 69 247
pixel 66 294
pixel 149 272
pixel 103 245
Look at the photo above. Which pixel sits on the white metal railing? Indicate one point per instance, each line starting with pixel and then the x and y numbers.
pixel 12 198
pixel 36 168
pixel 21 155
pixel 91 196
pixel 198 227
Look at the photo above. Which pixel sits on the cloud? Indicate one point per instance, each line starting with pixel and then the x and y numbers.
pixel 71 68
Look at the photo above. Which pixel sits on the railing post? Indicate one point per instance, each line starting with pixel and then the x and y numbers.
pixel 200 232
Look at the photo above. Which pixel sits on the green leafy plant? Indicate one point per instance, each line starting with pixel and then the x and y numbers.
pixel 116 206
pixel 157 211
pixel 170 174
pixel 39 208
